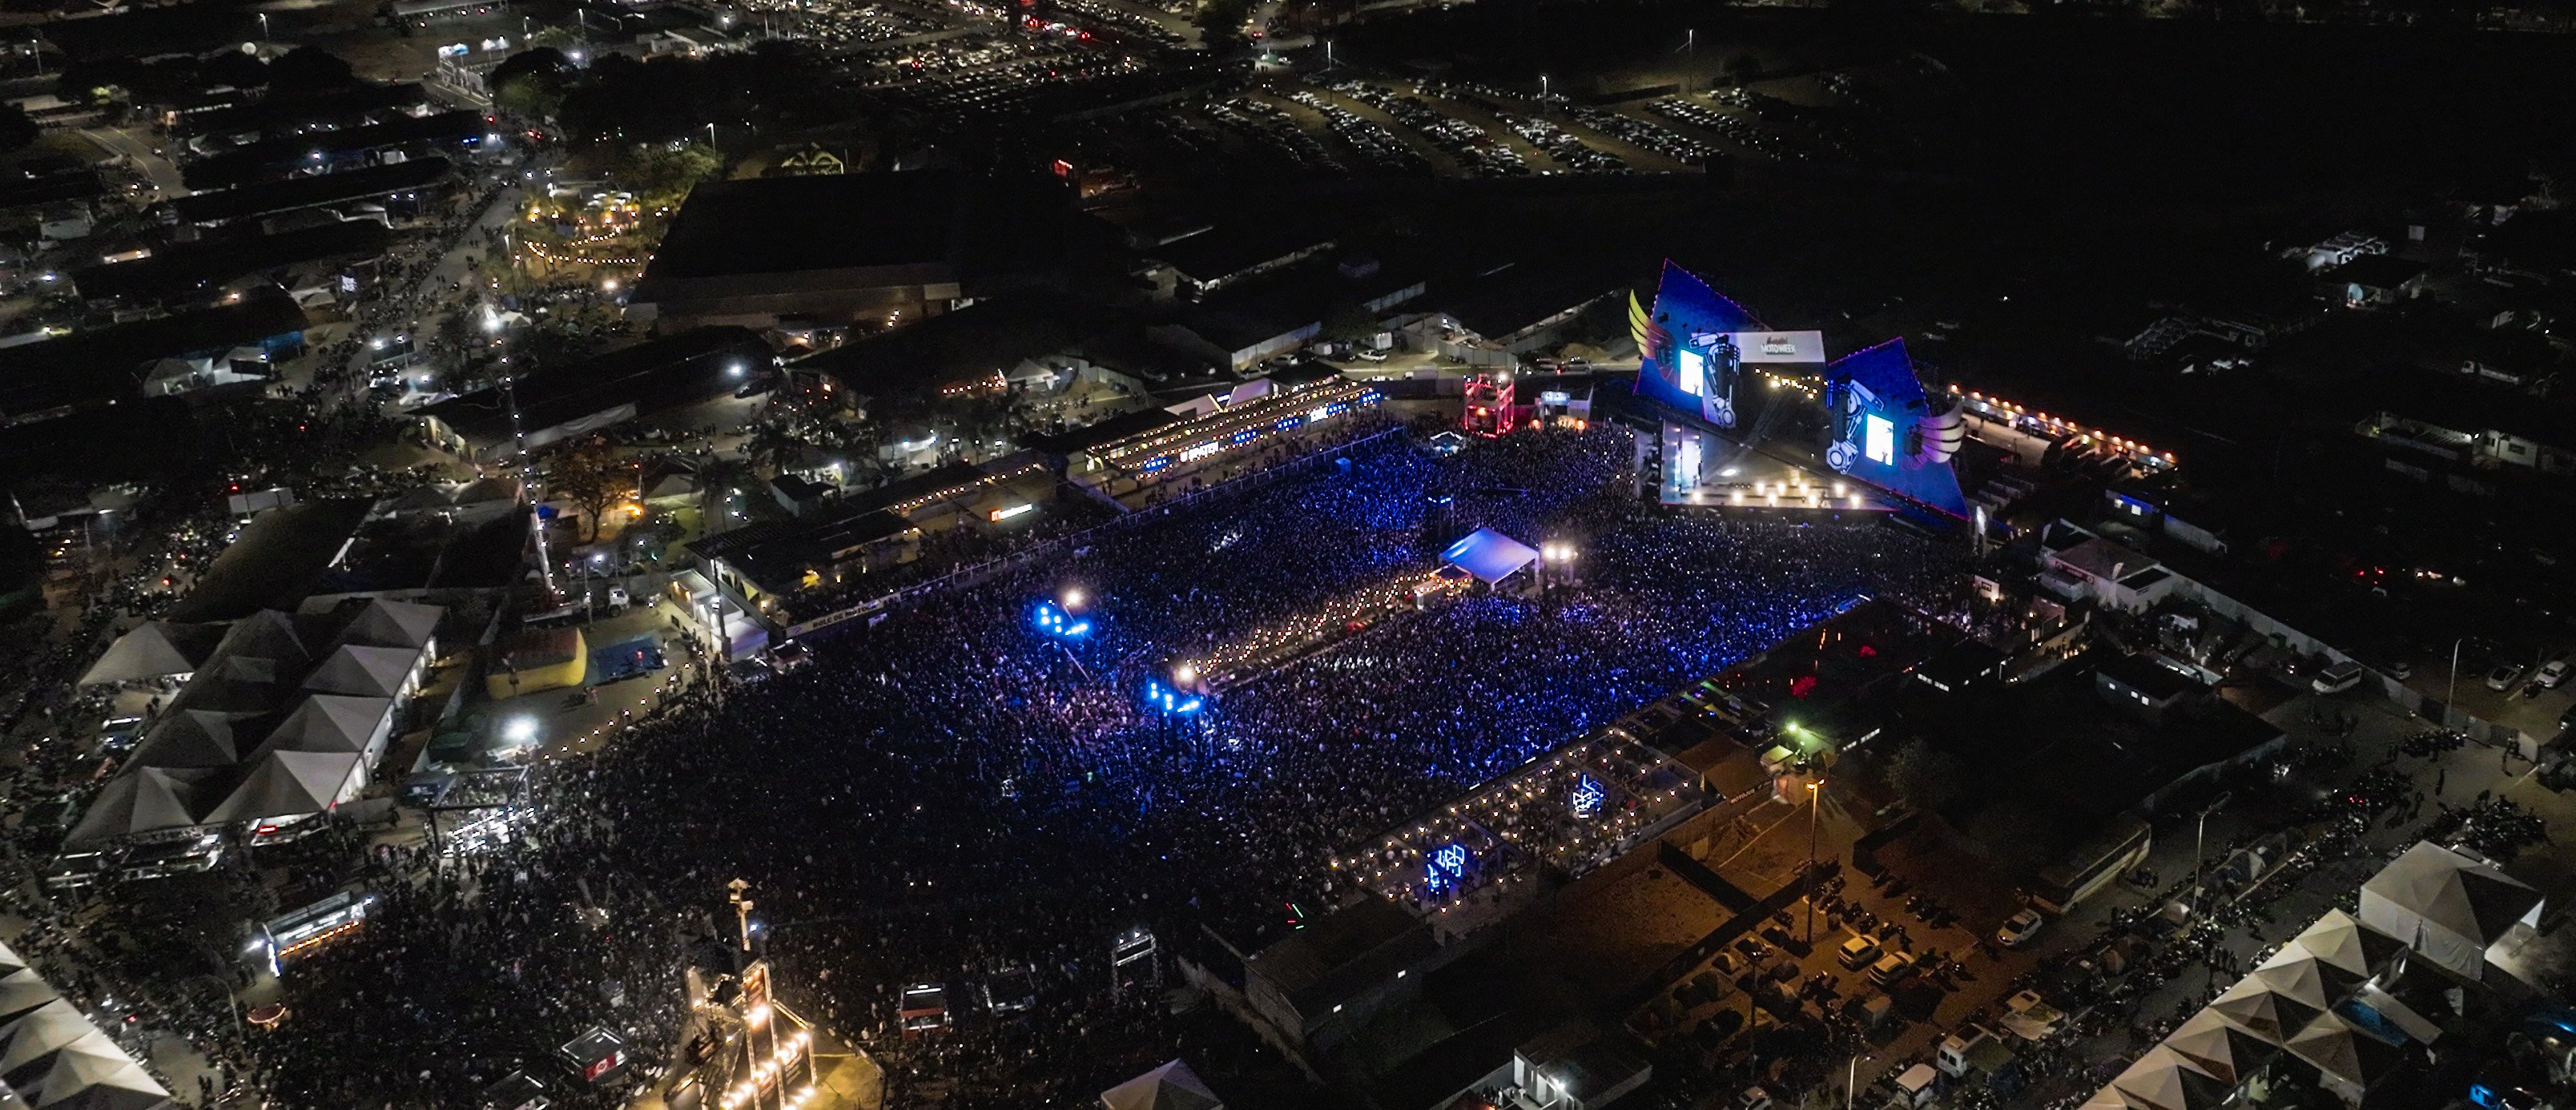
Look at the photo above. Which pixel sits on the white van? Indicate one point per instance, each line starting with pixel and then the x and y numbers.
pixel 1956 1048
pixel 2337 678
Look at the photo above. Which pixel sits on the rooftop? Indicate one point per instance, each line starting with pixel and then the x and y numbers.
pixel 281 555
pixel 774 225
pixel 272 197
pixel 988 337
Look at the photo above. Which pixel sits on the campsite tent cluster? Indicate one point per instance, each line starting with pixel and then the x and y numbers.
pixel 280 715
pixel 2339 997
pixel 51 1055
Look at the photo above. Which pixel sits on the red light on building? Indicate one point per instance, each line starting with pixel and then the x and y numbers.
pixel 1063 168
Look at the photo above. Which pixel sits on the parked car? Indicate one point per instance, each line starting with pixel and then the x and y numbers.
pixel 1857 953
pixel 1891 969
pixel 2400 670
pixel 2018 928
pixel 2552 674
pixel 2504 676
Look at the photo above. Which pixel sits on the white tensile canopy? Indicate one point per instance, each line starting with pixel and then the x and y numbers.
pixel 2265 1013
pixel 364 671
pixel 2343 1052
pixel 2219 1048
pixel 145 799
pixel 392 624
pixel 57 1059
pixel 284 784
pixel 155 649
pixel 2341 942
pixel 1170 1087
pixel 2164 1080
pixel 2448 906
pixel 331 723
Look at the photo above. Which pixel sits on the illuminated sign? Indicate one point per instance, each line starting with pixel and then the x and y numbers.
pixel 1194 454
pixel 1769 347
pixel 1588 796
pixel 1006 513
pixel 1452 859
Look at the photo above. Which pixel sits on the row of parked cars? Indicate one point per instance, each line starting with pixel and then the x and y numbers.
pixel 1636 132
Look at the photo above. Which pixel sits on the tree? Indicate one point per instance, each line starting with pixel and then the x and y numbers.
pixel 1926 777
pixel 18 130
pixel 1220 22
pixel 771 448
pixel 310 69
pixel 661 176
pixel 234 68
pixel 592 477
pixel 531 83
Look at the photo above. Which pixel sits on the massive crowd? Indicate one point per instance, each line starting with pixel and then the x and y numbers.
pixel 953 792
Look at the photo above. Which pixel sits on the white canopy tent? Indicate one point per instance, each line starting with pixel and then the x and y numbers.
pixel 154 649
pixel 393 624
pixel 364 671
pixel 2165 1080
pixel 2448 905
pixel 57 1060
pixel 148 800
pixel 334 723
pixel 287 784
pixel 1172 1086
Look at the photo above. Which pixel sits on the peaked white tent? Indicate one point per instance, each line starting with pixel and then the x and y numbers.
pixel 1172 1086
pixel 2347 1057
pixel 2265 1013
pixel 2448 905
pixel 2218 1048
pixel 193 738
pixel 155 649
pixel 392 624
pixel 56 1060
pixel 333 723
pixel 2341 942
pixel 358 669
pixel 147 800
pixel 285 784
pixel 2164 1080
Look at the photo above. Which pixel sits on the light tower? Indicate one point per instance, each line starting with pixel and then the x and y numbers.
pixel 750 1052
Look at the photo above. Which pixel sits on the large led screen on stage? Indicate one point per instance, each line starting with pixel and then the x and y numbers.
pixel 1876 432
pixel 1688 356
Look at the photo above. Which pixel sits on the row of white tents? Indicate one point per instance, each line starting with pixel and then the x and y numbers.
pixel 2346 997
pixel 52 1057
pixel 280 715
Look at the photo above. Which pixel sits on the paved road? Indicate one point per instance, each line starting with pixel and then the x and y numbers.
pixel 125 143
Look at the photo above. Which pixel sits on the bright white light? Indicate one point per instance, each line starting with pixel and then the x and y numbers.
pixel 1879 440
pixel 1072 601
pixel 521 730
pixel 734 370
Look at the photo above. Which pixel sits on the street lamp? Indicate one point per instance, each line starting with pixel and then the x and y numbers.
pixel 2451 693
pixel 1851 1079
pixel 1815 800
pixel 263 27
